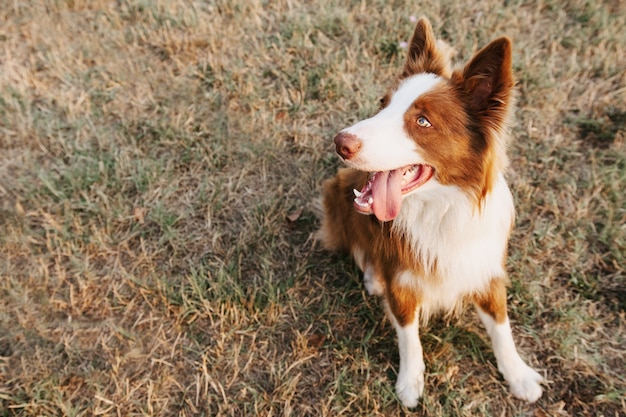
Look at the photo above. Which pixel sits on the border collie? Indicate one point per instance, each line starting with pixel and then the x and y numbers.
pixel 423 207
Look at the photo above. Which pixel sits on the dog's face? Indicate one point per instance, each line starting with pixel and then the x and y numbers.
pixel 436 127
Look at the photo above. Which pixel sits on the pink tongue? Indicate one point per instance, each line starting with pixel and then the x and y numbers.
pixel 387 194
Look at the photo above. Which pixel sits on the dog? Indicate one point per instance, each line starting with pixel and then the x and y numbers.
pixel 423 206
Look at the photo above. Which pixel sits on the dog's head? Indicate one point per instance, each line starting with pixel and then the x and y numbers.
pixel 437 126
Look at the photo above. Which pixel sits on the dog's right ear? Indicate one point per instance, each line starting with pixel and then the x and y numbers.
pixel 423 55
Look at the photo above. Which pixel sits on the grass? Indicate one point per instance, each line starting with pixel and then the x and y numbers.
pixel 159 166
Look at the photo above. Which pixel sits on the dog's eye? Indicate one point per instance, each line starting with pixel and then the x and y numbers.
pixel 423 122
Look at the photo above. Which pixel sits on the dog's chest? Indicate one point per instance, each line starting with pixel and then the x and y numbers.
pixel 462 246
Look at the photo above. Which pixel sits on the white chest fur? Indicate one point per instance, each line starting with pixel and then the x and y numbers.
pixel 465 245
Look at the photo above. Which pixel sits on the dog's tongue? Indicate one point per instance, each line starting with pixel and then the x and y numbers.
pixel 387 194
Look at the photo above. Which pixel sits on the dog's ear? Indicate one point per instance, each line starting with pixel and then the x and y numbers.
pixel 488 77
pixel 423 55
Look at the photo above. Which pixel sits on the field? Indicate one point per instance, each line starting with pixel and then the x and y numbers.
pixel 160 168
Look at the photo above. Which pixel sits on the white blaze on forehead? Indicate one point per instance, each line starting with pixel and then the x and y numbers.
pixel 385 142
pixel 409 90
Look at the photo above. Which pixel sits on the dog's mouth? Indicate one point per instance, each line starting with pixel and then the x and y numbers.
pixel 382 194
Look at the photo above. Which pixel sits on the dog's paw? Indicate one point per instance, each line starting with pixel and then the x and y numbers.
pixel 526 385
pixel 410 390
pixel 372 281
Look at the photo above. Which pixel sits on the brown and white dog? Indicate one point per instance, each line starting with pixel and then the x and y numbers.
pixel 424 208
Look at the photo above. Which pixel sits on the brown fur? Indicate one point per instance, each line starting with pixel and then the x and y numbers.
pixel 493 300
pixel 423 54
pixel 343 229
pixel 485 85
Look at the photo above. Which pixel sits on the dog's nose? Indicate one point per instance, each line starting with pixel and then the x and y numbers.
pixel 347 145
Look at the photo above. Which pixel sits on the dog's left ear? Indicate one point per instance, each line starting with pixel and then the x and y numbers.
pixel 423 55
pixel 488 77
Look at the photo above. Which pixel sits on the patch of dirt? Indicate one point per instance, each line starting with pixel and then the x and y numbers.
pixel 602 132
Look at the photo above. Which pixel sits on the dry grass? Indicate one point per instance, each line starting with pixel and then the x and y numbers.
pixel 152 151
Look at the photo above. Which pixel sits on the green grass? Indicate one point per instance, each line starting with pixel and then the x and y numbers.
pixel 160 163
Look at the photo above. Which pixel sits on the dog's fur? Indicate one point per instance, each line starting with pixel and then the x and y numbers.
pixel 430 226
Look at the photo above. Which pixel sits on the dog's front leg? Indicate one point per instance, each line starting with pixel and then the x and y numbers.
pixel 402 311
pixel 523 380
pixel 410 384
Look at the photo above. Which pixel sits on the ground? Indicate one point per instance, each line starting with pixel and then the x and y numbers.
pixel 160 165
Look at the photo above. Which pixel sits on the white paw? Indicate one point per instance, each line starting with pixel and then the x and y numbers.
pixel 525 384
pixel 372 282
pixel 410 390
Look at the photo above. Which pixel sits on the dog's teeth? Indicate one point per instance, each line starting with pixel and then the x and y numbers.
pixel 370 201
pixel 357 193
